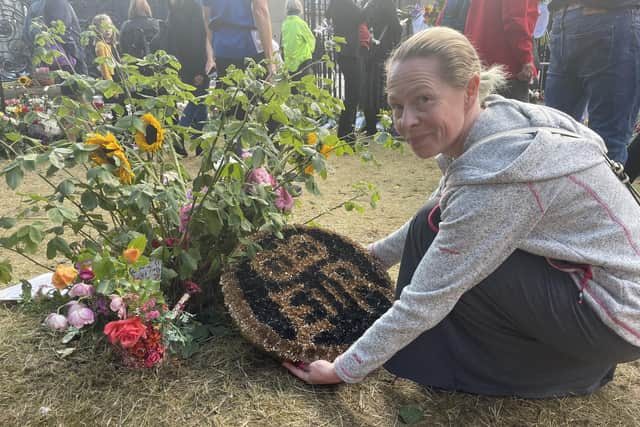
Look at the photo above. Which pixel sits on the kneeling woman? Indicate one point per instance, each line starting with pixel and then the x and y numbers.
pixel 521 275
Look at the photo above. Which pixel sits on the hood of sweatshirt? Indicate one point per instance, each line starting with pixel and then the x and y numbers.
pixel 520 156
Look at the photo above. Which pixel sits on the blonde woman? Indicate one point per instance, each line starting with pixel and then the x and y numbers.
pixel 105 44
pixel 521 274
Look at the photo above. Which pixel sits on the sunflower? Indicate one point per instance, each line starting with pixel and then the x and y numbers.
pixel 151 139
pixel 24 81
pixel 107 143
pixel 124 172
pixel 109 150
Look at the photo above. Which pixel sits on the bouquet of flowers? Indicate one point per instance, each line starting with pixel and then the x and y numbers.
pixel 107 293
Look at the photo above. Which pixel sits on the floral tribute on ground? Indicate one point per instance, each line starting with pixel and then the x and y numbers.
pixel 101 292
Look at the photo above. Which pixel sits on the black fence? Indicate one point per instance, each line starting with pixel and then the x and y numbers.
pixel 314 12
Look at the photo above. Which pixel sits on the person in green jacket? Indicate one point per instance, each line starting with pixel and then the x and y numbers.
pixel 298 42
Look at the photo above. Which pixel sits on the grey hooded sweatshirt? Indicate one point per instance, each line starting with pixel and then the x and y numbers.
pixel 546 193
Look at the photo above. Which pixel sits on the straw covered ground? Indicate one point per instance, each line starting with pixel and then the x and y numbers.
pixel 229 383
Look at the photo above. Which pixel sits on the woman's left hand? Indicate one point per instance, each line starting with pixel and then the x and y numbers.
pixel 318 372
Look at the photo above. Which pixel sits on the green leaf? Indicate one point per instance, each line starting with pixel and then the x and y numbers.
pixel 139 243
pixel 26 291
pixel 70 335
pixel 257 157
pixel 105 286
pixel 58 244
pixel 89 200
pixel 7 223
pixel 14 177
pixel 66 187
pixel 411 414
pixel 188 264
pixel 5 271
pixel 55 216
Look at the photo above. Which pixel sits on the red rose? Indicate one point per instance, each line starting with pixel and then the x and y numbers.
pixel 126 332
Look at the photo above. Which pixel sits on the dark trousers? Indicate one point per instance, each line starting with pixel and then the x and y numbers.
pixel 519 332
pixel 373 96
pixel 351 68
pixel 632 165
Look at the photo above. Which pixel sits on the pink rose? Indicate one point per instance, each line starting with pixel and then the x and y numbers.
pixel 81 290
pixel 80 315
pixel 56 322
pixel 284 201
pixel 260 176
pixel 117 305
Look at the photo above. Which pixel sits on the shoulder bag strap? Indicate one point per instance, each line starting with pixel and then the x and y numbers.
pixel 616 167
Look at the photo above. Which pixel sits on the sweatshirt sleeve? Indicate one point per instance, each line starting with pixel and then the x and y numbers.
pixel 480 227
pixel 517 29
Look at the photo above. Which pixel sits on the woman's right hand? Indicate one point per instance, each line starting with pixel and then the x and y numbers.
pixel 210 65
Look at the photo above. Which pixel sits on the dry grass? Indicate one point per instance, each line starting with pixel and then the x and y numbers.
pixel 228 383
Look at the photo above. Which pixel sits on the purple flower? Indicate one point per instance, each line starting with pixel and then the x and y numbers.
pixel 80 315
pixel 260 176
pixel 86 275
pixel 101 306
pixel 56 322
pixel 245 154
pixel 284 201
pixel 81 290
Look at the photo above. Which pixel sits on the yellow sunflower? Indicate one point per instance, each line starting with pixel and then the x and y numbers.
pixel 151 139
pixel 124 172
pixel 24 81
pixel 107 143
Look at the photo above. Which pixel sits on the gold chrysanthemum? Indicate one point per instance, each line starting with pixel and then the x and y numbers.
pixel 151 139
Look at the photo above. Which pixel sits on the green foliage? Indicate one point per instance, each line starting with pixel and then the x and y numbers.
pixel 110 186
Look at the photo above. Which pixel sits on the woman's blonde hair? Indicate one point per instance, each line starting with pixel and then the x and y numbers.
pixel 103 22
pixel 459 61
pixel 139 8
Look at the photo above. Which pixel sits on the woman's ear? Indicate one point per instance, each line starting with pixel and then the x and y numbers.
pixel 471 91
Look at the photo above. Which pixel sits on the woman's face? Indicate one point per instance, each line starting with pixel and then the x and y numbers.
pixel 428 112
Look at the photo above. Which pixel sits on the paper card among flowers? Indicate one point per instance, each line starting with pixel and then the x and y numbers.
pixel 13 294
